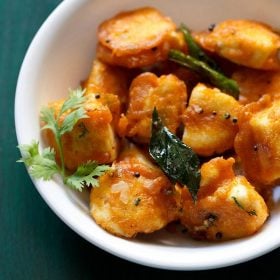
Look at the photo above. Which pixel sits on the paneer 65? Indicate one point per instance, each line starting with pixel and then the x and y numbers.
pixel 257 142
pixel 227 207
pixel 244 42
pixel 135 198
pixel 137 38
pixel 92 138
pixel 253 84
pixel 107 79
pixel 210 121
pixel 167 93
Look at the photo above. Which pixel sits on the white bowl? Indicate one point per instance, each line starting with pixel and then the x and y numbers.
pixel 59 57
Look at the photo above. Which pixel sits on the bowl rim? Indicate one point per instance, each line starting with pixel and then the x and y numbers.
pixel 61 10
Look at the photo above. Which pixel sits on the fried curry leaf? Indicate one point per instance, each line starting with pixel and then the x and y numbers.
pixel 177 160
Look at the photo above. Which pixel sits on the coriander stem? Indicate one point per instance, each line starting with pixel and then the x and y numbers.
pixel 59 144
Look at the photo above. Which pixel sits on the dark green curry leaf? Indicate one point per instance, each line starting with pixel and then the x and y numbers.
pixel 177 160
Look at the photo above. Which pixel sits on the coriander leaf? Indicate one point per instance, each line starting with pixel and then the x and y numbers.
pixel 250 212
pixel 44 165
pixel 28 152
pixel 44 168
pixel 74 103
pixel 71 119
pixel 177 160
pixel 48 153
pixel 75 100
pixel 48 117
pixel 40 166
pixel 86 175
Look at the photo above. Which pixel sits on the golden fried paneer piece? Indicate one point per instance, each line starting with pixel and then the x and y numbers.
pixel 258 141
pixel 135 198
pixel 167 93
pixel 112 101
pixel 227 207
pixel 253 84
pixel 92 138
pixel 107 79
pixel 244 42
pixel 137 38
pixel 210 121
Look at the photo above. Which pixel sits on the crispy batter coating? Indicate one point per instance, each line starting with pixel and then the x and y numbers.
pixel 244 42
pixel 135 198
pixel 253 84
pixel 109 84
pixel 167 93
pixel 91 138
pixel 228 206
pixel 257 142
pixel 107 79
pixel 136 38
pixel 210 121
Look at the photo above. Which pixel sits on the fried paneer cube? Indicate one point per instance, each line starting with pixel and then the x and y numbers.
pixel 257 142
pixel 210 121
pixel 137 38
pixel 253 84
pixel 92 138
pixel 228 206
pixel 107 79
pixel 244 42
pixel 167 93
pixel 136 197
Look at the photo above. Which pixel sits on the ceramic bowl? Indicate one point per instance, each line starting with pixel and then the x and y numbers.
pixel 59 57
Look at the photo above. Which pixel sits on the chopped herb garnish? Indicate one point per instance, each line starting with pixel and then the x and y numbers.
pixel 250 212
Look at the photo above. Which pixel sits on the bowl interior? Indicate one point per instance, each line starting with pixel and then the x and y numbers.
pixel 59 57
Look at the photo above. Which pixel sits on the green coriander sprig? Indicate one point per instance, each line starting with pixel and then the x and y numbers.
pixel 43 165
pixel 74 103
pixel 40 165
